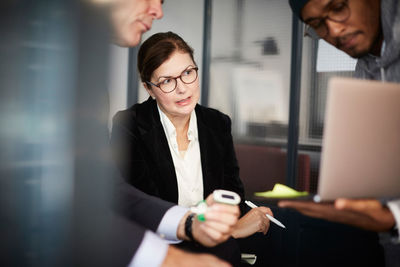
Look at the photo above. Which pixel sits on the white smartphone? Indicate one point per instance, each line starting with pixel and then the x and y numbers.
pixel 220 196
pixel 226 197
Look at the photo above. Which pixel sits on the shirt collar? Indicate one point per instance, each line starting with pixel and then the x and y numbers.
pixel 192 131
pixel 170 130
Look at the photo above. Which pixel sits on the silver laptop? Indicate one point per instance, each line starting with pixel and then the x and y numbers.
pixel 361 142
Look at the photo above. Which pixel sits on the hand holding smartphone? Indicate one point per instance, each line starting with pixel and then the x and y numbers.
pixel 219 196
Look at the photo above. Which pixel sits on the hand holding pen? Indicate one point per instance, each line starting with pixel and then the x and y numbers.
pixel 272 219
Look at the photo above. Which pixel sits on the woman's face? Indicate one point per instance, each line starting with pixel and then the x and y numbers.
pixel 180 102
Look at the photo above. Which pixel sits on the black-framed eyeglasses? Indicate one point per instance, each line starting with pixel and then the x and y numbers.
pixel 168 84
pixel 339 11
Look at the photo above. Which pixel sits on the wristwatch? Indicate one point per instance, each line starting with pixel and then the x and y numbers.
pixel 188 226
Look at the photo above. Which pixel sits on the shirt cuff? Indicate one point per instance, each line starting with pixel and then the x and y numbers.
pixel 145 255
pixel 394 207
pixel 170 222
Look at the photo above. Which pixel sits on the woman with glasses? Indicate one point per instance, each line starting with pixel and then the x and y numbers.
pixel 171 147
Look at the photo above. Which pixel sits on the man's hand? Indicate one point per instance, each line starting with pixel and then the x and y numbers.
pixel 218 226
pixel 254 221
pixel 176 258
pixel 368 214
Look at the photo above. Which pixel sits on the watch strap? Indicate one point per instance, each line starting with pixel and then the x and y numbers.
pixel 188 226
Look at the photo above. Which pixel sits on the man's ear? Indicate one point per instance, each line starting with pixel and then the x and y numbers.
pixel 149 90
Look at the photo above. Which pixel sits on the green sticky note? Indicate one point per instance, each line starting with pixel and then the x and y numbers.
pixel 281 191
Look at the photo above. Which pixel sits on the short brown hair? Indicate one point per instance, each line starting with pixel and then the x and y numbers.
pixel 157 49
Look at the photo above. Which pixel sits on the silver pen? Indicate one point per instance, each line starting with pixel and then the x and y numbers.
pixel 272 219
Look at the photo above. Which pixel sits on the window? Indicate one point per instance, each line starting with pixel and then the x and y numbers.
pixel 250 66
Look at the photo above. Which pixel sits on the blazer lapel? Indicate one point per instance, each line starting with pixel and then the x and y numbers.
pixel 211 151
pixel 156 142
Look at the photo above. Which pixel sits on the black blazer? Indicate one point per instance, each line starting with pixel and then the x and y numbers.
pixel 142 153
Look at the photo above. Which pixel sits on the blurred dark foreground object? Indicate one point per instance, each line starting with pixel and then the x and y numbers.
pixel 55 176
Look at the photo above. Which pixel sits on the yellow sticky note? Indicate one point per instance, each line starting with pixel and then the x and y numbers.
pixel 281 191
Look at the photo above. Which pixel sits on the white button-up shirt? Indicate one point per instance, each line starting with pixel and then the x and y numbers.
pixel 187 163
